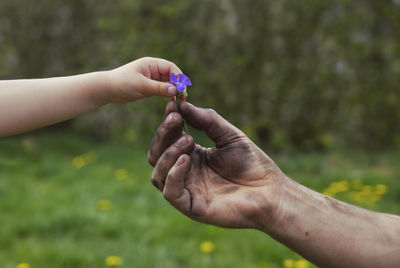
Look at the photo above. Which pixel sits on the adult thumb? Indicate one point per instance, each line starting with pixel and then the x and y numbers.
pixel 208 120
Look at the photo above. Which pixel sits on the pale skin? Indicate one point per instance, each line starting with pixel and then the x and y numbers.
pixel 236 185
pixel 33 103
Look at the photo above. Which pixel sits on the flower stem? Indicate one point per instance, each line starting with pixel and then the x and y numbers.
pixel 178 99
pixel 185 127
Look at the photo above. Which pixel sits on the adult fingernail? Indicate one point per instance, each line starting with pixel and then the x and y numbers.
pixel 182 141
pixel 168 120
pixel 172 91
pixel 180 161
pixel 191 105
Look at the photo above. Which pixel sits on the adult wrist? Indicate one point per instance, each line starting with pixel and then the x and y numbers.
pixel 269 202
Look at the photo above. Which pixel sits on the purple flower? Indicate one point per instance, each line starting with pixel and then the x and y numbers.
pixel 181 82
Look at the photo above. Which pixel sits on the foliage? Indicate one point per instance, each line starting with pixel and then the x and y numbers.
pixel 290 73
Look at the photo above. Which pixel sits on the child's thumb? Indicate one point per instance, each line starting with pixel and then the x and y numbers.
pixel 153 87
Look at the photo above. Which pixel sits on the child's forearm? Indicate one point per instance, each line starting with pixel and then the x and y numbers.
pixel 34 103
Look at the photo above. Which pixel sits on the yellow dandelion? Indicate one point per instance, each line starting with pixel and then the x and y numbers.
pixel 78 162
pixel 90 157
pixel 82 160
pixel 207 247
pixel 288 263
pixel 367 189
pixel 381 189
pixel 357 184
pixel 344 185
pixel 328 193
pixel 104 205
pixel 374 198
pixel 336 187
pixel 23 265
pixel 355 196
pixel 339 186
pixel 113 261
pixel 121 174
pixel 301 264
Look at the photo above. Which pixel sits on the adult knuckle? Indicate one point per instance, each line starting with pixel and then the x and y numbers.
pixel 163 134
pixel 190 140
pixel 172 177
pixel 174 119
pixel 167 158
pixel 197 212
pixel 211 112
pixel 166 194
pixel 150 159
pixel 154 180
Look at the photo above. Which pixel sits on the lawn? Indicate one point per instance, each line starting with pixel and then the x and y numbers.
pixel 68 201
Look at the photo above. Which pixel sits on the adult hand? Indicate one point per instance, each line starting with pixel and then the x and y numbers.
pixel 227 185
pixel 236 185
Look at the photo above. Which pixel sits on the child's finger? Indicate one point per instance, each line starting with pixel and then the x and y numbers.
pixel 160 69
pixel 153 87
pixel 166 67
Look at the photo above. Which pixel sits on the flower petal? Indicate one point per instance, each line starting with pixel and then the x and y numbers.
pixel 172 77
pixel 184 80
pixel 180 87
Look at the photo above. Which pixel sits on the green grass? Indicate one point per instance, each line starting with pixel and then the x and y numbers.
pixel 49 215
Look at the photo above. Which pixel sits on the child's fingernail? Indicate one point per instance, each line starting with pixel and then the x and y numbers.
pixel 172 91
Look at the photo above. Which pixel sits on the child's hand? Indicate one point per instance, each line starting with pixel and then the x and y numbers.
pixel 32 103
pixel 142 78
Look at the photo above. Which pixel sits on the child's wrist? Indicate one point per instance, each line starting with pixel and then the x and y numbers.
pixel 101 91
pixel 119 89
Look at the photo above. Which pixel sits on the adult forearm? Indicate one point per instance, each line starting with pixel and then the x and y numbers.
pixel 34 103
pixel 331 233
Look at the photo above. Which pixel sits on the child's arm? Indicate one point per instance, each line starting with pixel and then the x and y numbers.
pixel 33 103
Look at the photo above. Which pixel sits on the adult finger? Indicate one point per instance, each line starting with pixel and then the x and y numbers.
pixel 171 106
pixel 167 133
pixel 174 190
pixel 215 126
pixel 183 146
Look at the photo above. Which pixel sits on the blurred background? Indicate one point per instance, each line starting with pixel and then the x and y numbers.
pixel 314 83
